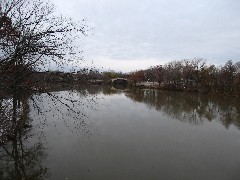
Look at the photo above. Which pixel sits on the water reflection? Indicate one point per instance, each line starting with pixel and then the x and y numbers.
pixel 189 107
pixel 22 139
pixel 120 86
pixel 21 159
pixel 22 151
pixel 123 138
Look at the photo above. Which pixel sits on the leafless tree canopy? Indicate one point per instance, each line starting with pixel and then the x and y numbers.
pixel 193 75
pixel 33 37
pixel 31 34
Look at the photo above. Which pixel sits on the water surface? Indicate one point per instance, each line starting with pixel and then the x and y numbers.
pixel 133 134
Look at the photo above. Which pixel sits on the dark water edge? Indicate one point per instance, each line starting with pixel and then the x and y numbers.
pixel 126 134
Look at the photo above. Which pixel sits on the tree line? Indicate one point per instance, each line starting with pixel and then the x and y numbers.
pixel 193 75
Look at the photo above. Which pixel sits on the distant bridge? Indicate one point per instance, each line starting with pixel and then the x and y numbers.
pixel 119 81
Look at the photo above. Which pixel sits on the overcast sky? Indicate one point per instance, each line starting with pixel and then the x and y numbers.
pixel 135 34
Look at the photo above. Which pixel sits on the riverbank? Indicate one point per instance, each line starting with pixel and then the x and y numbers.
pixel 225 90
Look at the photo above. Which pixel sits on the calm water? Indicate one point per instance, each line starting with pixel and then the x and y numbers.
pixel 134 134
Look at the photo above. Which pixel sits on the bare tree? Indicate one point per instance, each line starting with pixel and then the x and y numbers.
pixel 32 37
pixel 160 74
pixel 136 77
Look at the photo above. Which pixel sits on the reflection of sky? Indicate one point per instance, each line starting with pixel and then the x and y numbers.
pixel 149 32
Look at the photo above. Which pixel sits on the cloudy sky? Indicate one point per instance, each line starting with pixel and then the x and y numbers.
pixel 134 34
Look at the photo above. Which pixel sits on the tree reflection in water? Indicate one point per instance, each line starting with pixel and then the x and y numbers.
pixel 21 150
pixel 190 107
pixel 22 139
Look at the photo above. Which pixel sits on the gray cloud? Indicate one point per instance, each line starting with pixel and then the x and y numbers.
pixel 159 29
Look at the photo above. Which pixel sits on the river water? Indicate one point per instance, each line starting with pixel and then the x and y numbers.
pixel 127 134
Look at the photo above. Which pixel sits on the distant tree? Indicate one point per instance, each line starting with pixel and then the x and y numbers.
pixel 176 71
pixel 187 71
pixel 160 74
pixel 151 74
pixel 237 76
pixel 94 74
pixel 194 75
pixel 108 75
pixel 237 67
pixel 227 72
pixel 237 83
pixel 173 72
pixel 197 64
pixel 136 76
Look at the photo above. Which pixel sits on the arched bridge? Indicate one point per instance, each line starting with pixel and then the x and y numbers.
pixel 120 81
